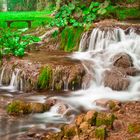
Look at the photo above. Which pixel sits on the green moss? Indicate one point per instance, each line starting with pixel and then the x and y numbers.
pixel 58 86
pixel 70 133
pixel 45 78
pixel 100 133
pixel 70 38
pixel 105 119
pixel 112 105
pixel 18 107
pixel 134 128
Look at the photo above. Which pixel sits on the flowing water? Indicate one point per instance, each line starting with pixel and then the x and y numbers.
pixel 96 53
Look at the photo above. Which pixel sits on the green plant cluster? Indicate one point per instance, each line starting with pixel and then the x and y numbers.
pixel 70 38
pixel 45 77
pixel 81 15
pixel 15 43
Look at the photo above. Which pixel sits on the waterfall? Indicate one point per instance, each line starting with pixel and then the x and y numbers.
pixel 14 82
pixel 105 47
pixel 1 76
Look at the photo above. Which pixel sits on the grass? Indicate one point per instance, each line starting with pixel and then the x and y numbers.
pixel 70 38
pixel 39 18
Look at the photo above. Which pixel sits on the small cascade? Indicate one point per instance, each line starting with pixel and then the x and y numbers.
pixel 101 38
pixel 15 81
pixel 112 64
pixel 1 76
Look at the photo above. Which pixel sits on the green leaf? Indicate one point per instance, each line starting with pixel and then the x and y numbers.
pixel 94 4
pixel 102 11
pixel 86 11
pixel 71 6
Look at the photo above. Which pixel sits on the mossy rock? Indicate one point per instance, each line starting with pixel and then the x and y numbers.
pixel 90 117
pixel 134 128
pixel 69 131
pixel 36 107
pixel 101 133
pixel 18 107
pixel 106 119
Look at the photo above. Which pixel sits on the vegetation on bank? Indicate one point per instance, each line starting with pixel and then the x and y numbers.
pixel 70 38
pixel 15 43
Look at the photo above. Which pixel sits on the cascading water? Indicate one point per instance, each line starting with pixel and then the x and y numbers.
pixel 14 83
pixel 104 44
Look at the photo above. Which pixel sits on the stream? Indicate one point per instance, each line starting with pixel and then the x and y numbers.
pixel 96 53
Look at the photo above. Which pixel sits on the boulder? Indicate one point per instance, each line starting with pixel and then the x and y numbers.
pixel 122 60
pixel 116 80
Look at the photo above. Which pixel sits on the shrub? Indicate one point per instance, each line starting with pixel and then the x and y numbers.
pixel 15 43
pixel 80 14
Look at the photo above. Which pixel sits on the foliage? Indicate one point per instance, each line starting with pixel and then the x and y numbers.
pixel 55 33
pixel 80 15
pixel 45 78
pixel 15 43
pixel 123 13
pixel 70 38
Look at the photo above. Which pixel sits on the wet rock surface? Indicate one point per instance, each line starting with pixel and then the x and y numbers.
pixel 122 60
pixel 111 125
pixel 117 78
pixel 63 73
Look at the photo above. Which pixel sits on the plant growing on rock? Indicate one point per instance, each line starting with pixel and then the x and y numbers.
pixel 15 43
pixel 45 77
pixel 70 38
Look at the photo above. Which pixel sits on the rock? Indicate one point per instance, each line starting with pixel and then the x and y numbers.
pixel 79 119
pixel 70 130
pixel 76 137
pixel 106 119
pixel 18 107
pixel 101 102
pixel 134 128
pixel 122 60
pixel 84 126
pixel 118 125
pixel 116 80
pixel 36 107
pixel 90 117
pixel 114 105
pixel 62 108
pixel 127 71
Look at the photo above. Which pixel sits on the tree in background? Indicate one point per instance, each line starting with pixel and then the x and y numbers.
pixel 3 5
pixel 22 5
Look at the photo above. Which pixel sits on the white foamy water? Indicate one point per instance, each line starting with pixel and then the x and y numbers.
pixel 13 86
pixel 104 44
